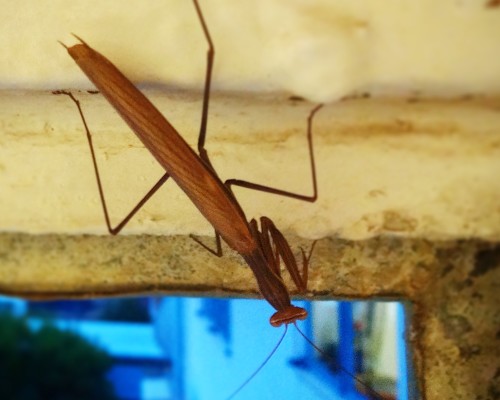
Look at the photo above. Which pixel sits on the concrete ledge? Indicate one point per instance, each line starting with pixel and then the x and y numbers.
pixel 418 168
pixel 67 266
pixel 455 326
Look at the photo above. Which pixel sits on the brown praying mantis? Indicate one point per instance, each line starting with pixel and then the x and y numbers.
pixel 262 248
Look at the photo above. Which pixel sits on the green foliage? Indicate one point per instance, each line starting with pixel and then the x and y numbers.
pixel 48 363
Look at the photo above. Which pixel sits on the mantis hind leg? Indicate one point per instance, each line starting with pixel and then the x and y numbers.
pixel 206 91
pixel 112 230
pixel 204 119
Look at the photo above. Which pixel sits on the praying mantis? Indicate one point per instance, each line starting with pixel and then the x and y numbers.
pixel 263 248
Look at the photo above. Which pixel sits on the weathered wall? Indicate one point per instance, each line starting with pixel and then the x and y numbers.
pixel 409 188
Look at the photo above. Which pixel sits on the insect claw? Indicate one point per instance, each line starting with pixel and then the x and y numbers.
pixel 63 45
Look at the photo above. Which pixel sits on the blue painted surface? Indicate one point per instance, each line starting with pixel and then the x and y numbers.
pixel 214 345
pixel 168 320
pixel 126 381
pixel 212 373
pixel 217 314
pixel 346 345
pixel 402 382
